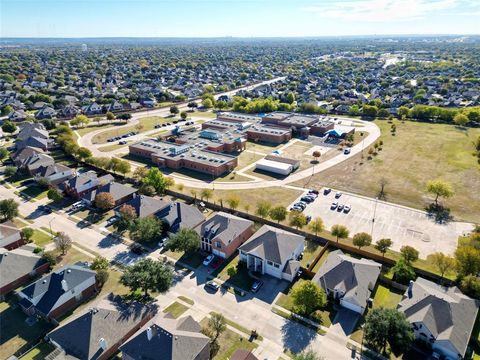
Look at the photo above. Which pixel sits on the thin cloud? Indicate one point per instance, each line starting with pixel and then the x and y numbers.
pixel 381 10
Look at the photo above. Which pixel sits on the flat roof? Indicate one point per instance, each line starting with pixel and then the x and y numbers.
pixel 274 164
pixel 195 138
pixel 268 129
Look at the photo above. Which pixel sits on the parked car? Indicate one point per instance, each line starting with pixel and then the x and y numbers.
pixel 347 208
pixel 296 208
pixel 45 209
pixel 78 205
pixel 307 199
pixel 112 220
pixel 300 204
pixel 346 151
pixel 157 126
pixel 340 207
pixel 256 286
pixel 334 205
pixel 137 249
pixel 212 285
pixel 312 195
pixel 309 218
pixel 208 260
pixel 326 191
pixel 123 142
pixel 313 192
pixel 338 194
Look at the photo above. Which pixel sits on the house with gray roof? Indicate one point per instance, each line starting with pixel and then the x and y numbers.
pixel 20 156
pixel 176 215
pixel 84 182
pixel 18 266
pixel 348 279
pixel 274 252
pixel 223 233
pixel 145 205
pixel 441 316
pixel 57 292
pixel 120 193
pixel 36 161
pixel 103 329
pixel 54 174
pixel 168 339
pixel 28 130
pixel 34 141
pixel 10 237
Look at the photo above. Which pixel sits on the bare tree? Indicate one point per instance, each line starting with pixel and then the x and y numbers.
pixel 63 242
pixel 382 182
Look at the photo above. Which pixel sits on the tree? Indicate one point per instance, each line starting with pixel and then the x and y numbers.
pixel 50 259
pixel 127 214
pixel 148 275
pixel 383 245
pixel 174 110
pixel 186 240
pixel 10 171
pixel 183 115
pixel 192 105
pixel 387 326
pixel 124 116
pixel 233 201
pixel 468 260
pixel 102 276
pixel 26 234
pixel 461 120
pixel 140 173
pixel 147 190
pixel 470 285
pixel 231 271
pixel 263 209
pixel 110 116
pixel 206 194
pixel 80 120
pixel 6 110
pixel 84 153
pixel 63 242
pixel 409 254
pixel 54 195
pixel 297 219
pixel 145 230
pixel 362 239
pixel 290 97
pixel 308 297
pixel 124 167
pixel 207 103
pixel 316 154
pixel 100 263
pixel 317 225
pixel 217 323
pixel 3 153
pixel 307 355
pixel 8 209
pixel 403 272
pixel 340 231
pixel 445 264
pixel 104 201
pixel 403 112
pixel 155 179
pixel 9 127
pixel 439 188
pixel 383 182
pixel 278 213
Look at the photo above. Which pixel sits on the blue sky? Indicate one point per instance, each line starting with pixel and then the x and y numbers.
pixel 239 18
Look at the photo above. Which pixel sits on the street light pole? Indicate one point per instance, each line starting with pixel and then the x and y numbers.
pixel 374 213
pixel 50 225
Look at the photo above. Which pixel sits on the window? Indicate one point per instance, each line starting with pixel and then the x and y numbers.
pixel 269 262
pixel 218 244
pixel 276 265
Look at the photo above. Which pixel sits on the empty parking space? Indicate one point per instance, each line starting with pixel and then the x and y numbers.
pixel 384 220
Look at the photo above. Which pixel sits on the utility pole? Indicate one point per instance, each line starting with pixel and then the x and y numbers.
pixel 50 225
pixel 374 213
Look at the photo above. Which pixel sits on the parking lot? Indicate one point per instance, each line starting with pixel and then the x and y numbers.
pixel 403 225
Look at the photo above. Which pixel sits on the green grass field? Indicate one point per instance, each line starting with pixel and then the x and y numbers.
pixel 385 297
pixel 175 309
pixel 108 148
pixel 40 238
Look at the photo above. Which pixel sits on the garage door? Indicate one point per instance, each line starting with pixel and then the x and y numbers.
pixel 350 306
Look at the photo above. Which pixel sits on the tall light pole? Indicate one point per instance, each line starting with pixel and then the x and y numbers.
pixel 374 213
pixel 50 225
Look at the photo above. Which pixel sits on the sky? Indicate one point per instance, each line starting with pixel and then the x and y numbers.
pixel 237 18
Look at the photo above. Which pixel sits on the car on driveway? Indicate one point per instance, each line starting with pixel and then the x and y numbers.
pixel 45 209
pixel 338 194
pixel 112 220
pixel 212 285
pixel 334 205
pixel 208 260
pixel 256 286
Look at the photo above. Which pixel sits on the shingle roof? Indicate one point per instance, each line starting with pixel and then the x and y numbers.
pixel 242 354
pixel 272 244
pixel 7 229
pixel 179 215
pixel 171 340
pixel 37 160
pixel 50 289
pixel 223 227
pixel 49 170
pixel 32 131
pixel 20 155
pixel 118 191
pixel 17 263
pixel 110 320
pixel 354 277
pixel 145 205
pixel 448 314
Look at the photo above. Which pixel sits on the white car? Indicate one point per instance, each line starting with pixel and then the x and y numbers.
pixel 338 194
pixel 347 208
pixel 208 260
pixel 162 242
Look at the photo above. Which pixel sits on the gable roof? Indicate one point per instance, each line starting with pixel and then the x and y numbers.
pixel 272 244
pixel 118 191
pixel 37 160
pixel 146 205
pixel 86 177
pixel 171 339
pixel 33 141
pixel 8 229
pixel 354 277
pixel 179 215
pixel 110 320
pixel 447 313
pixel 50 288
pixel 32 131
pixel 17 263
pixel 223 227
pixel 50 170
pixel 20 155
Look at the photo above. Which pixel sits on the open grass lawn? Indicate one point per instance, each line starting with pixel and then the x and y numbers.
pixel 229 342
pixel 19 223
pixel 39 352
pixel 15 334
pixel 40 238
pixel 297 151
pixel 205 177
pixel 71 257
pixel 93 126
pixel 186 300
pixel 324 316
pixel 262 147
pixel 176 309
pixel 418 153
pixel 203 114
pixel 385 297
pixel 148 124
pixel 35 192
pixel 239 327
pixel 241 279
pixel 247 158
pixel 108 148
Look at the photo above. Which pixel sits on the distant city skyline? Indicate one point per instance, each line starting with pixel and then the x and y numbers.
pixel 243 18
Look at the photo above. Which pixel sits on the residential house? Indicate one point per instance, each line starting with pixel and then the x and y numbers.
pixel 242 354
pixel 103 329
pixel 92 109
pixel 145 205
pixel 54 174
pixel 18 115
pixel 18 266
pixel 37 142
pixel 149 102
pixel 45 113
pixel 35 162
pixel 114 106
pixel 120 193
pixel 348 279
pixel 83 183
pixel 174 339
pixel 223 233
pixel 176 215
pixel 20 156
pixel 274 252
pixel 441 316
pixel 57 292
pixel 10 237
pixel 68 112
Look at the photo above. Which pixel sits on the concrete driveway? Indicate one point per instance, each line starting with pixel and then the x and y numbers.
pixel 405 226
pixel 344 322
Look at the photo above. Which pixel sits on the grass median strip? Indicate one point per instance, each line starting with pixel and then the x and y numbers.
pixel 186 300
pixel 176 309
pixel 238 326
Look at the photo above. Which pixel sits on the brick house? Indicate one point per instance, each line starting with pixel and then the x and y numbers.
pixel 10 237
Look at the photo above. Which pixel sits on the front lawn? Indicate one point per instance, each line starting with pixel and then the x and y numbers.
pixel 40 238
pixel 241 279
pixel 193 260
pixel 176 309
pixel 35 191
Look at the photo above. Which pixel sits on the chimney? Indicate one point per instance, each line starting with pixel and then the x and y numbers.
pixel 64 285
pixel 410 289
pixel 149 333
pixel 103 344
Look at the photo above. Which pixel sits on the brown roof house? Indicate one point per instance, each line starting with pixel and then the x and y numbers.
pixel 84 182
pixel 10 237
pixel 223 233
